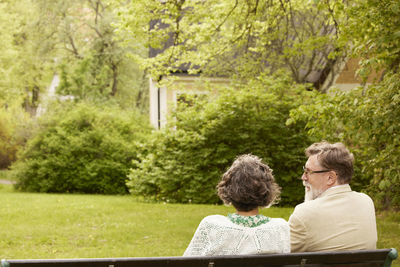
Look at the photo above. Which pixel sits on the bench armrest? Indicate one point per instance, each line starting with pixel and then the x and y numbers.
pixel 390 257
pixel 4 263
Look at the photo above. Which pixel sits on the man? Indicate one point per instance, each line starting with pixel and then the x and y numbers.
pixel 332 217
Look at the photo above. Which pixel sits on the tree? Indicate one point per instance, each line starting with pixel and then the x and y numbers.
pixel 25 71
pixel 8 51
pixel 25 61
pixel 366 119
pixel 246 39
pixel 75 39
pixel 240 39
pixel 373 27
pixel 95 64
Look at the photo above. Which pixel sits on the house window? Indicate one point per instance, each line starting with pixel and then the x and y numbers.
pixel 190 98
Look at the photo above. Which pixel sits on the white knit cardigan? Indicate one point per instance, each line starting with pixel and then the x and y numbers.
pixel 217 235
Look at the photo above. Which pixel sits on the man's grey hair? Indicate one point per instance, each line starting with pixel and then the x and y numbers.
pixel 334 157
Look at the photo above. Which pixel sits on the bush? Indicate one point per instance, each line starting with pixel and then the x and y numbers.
pixel 184 162
pixel 15 125
pixel 367 121
pixel 7 150
pixel 81 149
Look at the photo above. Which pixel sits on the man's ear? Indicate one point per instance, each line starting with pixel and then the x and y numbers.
pixel 332 179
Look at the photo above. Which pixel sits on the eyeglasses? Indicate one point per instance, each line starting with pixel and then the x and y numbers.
pixel 308 172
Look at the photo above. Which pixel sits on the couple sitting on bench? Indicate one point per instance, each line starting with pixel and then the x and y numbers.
pixel 332 217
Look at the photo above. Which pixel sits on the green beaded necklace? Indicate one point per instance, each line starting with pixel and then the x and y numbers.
pixel 248 221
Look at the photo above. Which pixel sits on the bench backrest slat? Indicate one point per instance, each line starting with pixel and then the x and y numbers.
pixel 365 258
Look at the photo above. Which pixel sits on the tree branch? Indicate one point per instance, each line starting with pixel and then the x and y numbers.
pixel 332 13
pixel 227 16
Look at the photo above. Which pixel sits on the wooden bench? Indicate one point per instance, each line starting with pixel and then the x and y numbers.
pixel 358 258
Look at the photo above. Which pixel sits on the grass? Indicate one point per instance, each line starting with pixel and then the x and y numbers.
pixel 96 226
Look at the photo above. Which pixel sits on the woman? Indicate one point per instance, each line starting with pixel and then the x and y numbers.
pixel 248 185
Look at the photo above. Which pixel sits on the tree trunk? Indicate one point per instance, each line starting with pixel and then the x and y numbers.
pixel 114 88
pixel 31 100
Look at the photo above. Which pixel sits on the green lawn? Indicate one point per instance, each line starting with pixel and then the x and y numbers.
pixel 88 226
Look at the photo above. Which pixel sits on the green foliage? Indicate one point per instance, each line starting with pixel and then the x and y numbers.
pixel 373 27
pixel 27 55
pixel 365 119
pixel 7 150
pixel 81 149
pixel 235 38
pixel 95 65
pixel 74 39
pixel 15 127
pixel 184 162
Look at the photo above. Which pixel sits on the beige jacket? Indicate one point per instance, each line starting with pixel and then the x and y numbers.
pixel 339 219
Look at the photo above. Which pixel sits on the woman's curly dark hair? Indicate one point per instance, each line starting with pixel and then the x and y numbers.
pixel 248 184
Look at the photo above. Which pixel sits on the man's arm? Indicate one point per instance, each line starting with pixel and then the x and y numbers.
pixel 298 233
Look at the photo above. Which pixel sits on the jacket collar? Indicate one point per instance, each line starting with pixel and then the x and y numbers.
pixel 338 189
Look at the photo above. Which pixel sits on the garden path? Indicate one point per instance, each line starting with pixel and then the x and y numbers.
pixel 2 181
